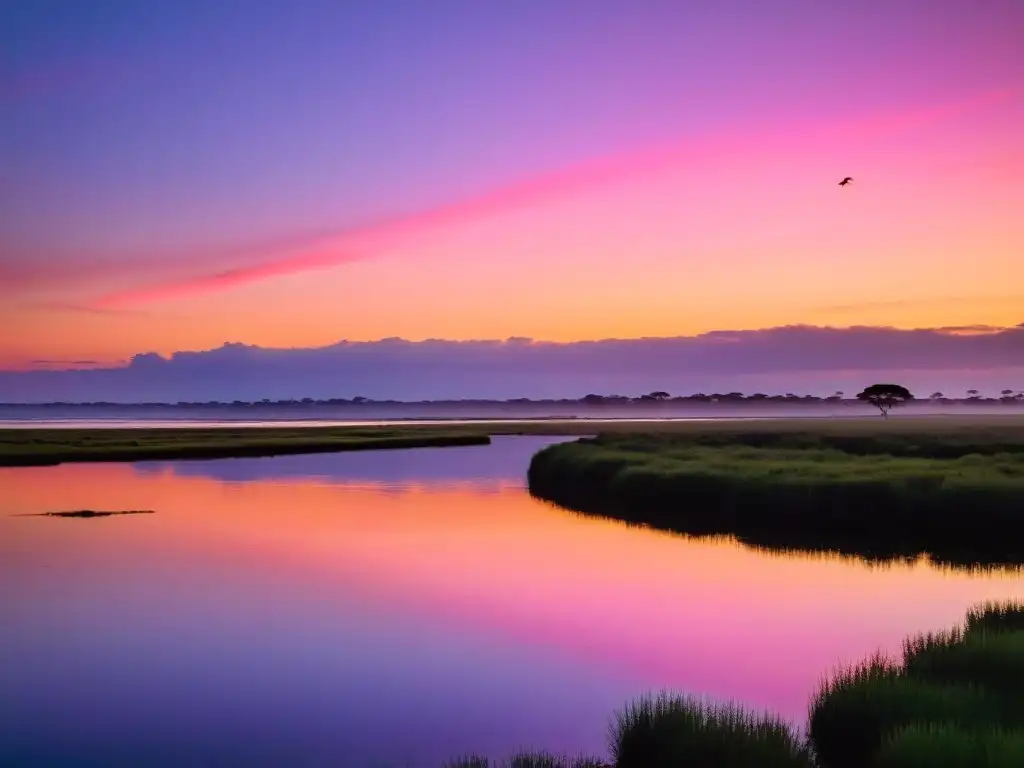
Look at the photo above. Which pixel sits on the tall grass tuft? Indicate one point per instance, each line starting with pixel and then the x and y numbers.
pixel 857 709
pixel 672 730
pixel 993 660
pixel 1005 616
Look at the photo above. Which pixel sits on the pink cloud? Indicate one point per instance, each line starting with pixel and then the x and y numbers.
pixel 375 239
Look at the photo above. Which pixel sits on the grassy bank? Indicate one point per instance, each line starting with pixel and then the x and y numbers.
pixel 27 447
pixel 955 699
pixel 957 495
pixel 37 447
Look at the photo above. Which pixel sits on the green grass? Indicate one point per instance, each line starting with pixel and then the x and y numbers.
pixel 994 660
pixel 857 710
pixel 1005 616
pixel 25 447
pixel 955 697
pixel 958 496
pixel 943 746
pixel 675 730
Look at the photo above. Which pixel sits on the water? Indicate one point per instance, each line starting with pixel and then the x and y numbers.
pixel 394 608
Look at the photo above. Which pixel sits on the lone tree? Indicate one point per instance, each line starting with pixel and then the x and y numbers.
pixel 885 396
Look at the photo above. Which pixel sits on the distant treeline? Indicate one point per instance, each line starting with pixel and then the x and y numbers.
pixel 973 397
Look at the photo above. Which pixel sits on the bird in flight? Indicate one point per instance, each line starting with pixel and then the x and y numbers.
pixel 846 181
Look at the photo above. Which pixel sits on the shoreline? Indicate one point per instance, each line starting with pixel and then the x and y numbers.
pixel 39 448
pixel 47 444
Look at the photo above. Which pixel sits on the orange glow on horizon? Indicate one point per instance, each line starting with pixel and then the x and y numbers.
pixel 727 233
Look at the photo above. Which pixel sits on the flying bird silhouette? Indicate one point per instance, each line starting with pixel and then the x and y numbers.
pixel 846 181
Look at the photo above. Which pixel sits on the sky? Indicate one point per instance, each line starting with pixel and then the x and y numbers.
pixel 174 176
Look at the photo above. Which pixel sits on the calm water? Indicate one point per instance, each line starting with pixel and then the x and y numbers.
pixel 393 608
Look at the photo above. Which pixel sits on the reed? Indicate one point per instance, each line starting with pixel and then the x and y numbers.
pixel 943 746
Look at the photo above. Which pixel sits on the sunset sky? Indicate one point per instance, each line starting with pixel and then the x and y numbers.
pixel 174 176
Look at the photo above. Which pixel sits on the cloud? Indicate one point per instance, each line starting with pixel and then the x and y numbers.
pixel 305 253
pixel 789 356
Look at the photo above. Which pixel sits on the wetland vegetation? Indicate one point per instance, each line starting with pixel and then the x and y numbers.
pixel 953 492
pixel 38 447
pixel 955 698
pixel 45 446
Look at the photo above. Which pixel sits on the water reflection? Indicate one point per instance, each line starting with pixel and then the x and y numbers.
pixel 394 607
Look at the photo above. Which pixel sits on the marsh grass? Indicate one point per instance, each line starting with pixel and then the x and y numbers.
pixel 1005 616
pixel 55 446
pixel 955 695
pixel 922 440
pixel 792 495
pixel 943 746
pixel 676 730
pixel 854 713
pixel 953 699
pixel 990 659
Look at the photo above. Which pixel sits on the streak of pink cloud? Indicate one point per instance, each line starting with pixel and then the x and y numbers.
pixel 374 239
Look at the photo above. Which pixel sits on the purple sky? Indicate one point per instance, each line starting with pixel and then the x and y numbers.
pixel 287 174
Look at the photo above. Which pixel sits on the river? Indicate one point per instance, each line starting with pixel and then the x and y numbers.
pixel 395 608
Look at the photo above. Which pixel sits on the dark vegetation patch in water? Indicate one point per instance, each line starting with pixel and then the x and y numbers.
pixel 96 513
pixel 957 497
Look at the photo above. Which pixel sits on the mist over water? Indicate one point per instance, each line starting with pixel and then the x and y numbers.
pixel 371 413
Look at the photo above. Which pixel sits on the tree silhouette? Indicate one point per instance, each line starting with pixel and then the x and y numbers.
pixel 885 396
pixel 973 394
pixel 660 396
pixel 937 396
